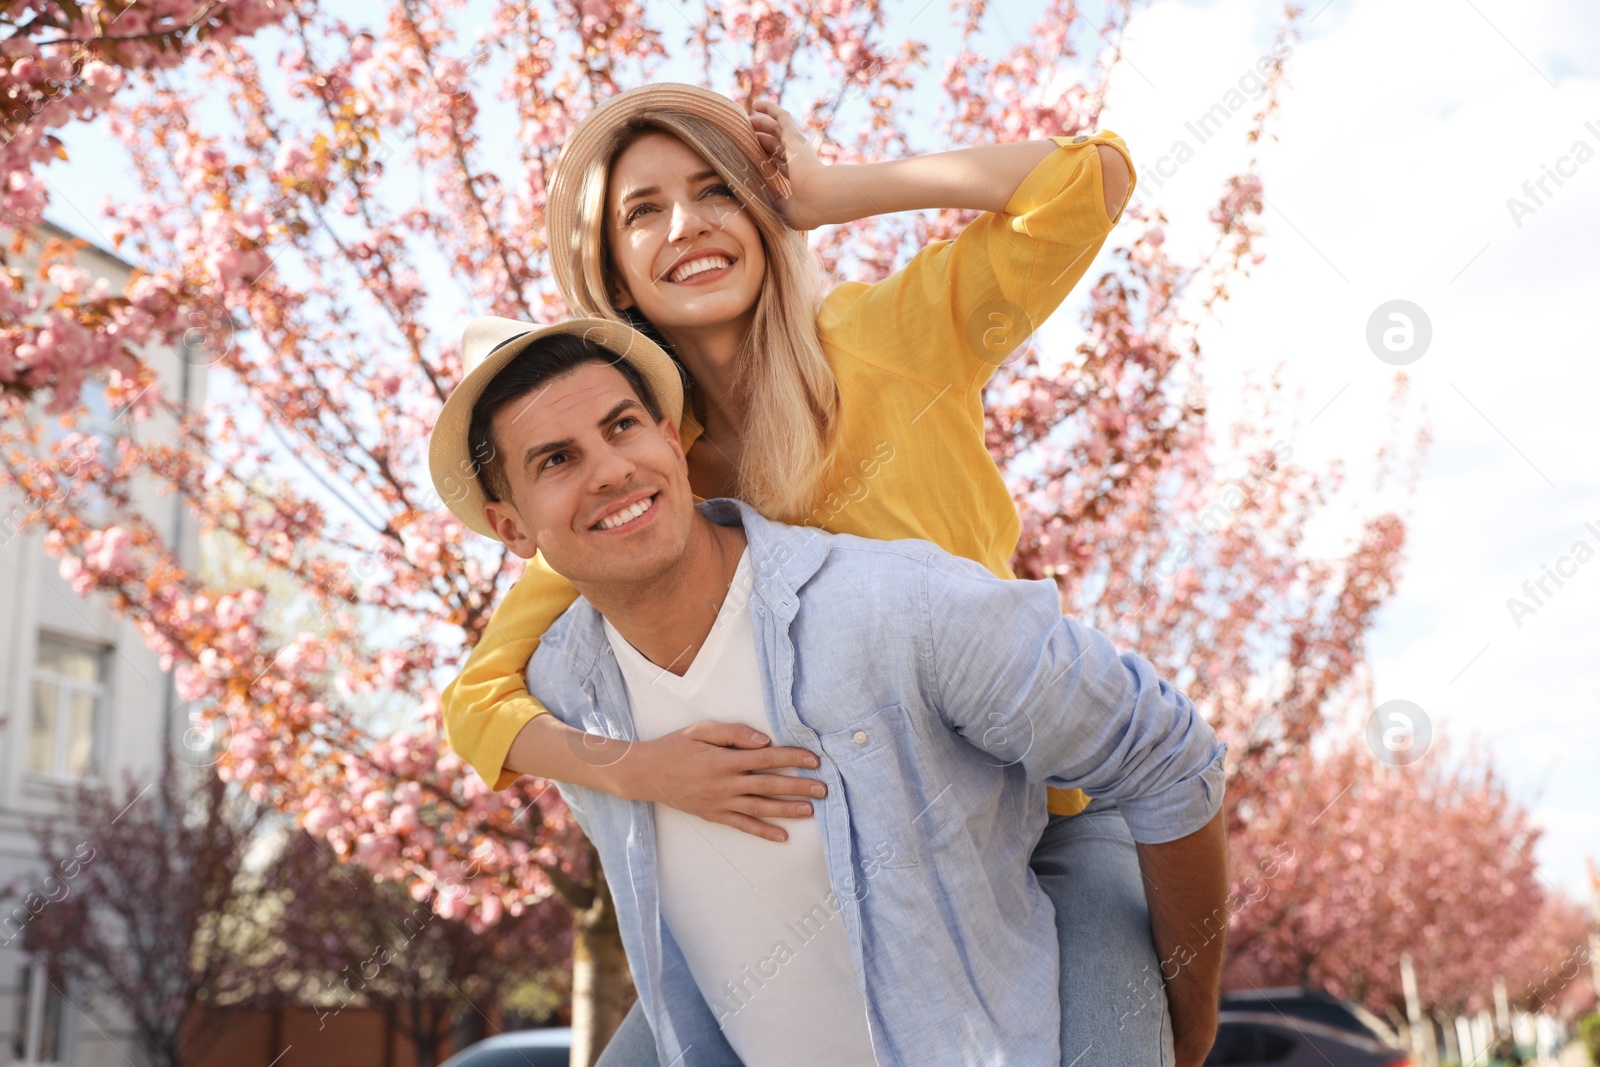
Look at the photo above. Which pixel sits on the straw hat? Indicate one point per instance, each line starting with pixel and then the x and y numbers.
pixel 586 142
pixel 490 343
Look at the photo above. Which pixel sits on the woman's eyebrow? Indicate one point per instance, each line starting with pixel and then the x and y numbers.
pixel 652 190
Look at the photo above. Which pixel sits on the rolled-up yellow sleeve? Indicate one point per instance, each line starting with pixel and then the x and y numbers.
pixel 956 311
pixel 488 704
pixel 1062 201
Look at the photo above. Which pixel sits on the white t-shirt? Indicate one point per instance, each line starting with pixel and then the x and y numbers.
pixel 757 920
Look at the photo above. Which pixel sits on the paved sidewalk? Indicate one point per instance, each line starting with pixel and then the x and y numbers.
pixel 1575 1055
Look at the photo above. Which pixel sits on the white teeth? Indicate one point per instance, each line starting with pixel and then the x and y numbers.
pixel 700 266
pixel 626 514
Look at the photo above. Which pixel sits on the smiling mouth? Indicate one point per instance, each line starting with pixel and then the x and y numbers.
pixel 697 267
pixel 627 514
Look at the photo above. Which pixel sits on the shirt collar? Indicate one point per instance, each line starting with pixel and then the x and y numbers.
pixel 783 558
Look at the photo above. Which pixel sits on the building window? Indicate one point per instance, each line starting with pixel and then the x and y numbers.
pixel 95 421
pixel 69 692
pixel 92 416
pixel 40 1017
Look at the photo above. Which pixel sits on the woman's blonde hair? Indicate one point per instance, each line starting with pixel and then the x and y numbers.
pixel 792 394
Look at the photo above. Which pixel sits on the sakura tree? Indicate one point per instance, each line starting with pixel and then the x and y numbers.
pixel 64 62
pixel 1346 861
pixel 332 936
pixel 320 205
pixel 142 891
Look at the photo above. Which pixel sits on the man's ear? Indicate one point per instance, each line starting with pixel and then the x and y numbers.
pixel 507 525
pixel 670 431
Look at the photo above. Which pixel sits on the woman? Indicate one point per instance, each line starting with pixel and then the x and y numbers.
pixel 860 412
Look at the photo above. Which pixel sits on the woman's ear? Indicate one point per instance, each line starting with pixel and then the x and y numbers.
pixel 621 299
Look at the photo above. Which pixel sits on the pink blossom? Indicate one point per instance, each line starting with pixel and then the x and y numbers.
pixel 403 819
pixel 110 551
pixel 305 653
pixel 291 160
pixel 450 906
pixel 68 279
pixel 322 818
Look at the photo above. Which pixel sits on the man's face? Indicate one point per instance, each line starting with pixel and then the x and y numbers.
pixel 597 485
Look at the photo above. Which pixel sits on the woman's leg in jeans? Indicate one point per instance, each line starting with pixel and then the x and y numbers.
pixel 633 1045
pixel 1113 1005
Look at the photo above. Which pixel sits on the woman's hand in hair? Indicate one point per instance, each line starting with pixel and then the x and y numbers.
pixel 809 204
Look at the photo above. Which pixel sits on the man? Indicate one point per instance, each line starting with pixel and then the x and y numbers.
pixel 901 925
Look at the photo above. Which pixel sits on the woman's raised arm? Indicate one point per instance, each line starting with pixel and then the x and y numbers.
pixel 488 704
pixel 976 179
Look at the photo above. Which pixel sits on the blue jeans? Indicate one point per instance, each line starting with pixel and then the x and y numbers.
pixel 1113 1004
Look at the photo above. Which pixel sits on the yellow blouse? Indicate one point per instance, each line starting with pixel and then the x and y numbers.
pixel 912 354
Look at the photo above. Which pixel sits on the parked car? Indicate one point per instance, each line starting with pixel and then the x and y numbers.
pixel 1314 1005
pixel 519 1048
pixel 1274 1039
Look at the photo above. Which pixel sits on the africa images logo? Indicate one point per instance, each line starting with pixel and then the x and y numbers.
pixel 1537 592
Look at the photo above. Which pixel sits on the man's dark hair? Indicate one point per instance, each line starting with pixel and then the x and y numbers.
pixel 540 363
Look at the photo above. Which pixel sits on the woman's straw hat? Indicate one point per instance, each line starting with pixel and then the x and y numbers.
pixel 488 344
pixel 589 139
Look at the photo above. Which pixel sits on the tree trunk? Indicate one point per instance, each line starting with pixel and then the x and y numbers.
pixel 424 1035
pixel 602 988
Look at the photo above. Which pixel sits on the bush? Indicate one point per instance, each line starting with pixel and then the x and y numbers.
pixel 1589 1034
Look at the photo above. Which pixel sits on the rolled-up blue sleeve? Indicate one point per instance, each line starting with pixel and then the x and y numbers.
pixel 1029 686
pixel 1182 808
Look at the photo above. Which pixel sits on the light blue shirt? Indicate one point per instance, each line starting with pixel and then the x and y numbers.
pixel 942 700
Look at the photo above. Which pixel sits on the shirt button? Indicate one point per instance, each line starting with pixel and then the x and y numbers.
pixel 860 737
pixel 1082 137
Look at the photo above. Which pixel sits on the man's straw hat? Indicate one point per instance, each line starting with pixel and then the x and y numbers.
pixel 589 139
pixel 487 346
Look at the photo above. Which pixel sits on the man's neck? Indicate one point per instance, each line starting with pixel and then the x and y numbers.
pixel 670 617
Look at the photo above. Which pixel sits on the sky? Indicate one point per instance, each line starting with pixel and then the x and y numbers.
pixel 1406 130
pixel 1404 135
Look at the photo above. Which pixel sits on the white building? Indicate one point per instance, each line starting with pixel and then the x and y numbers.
pixel 81 699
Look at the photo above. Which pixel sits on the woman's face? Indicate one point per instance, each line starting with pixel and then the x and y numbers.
pixel 687 254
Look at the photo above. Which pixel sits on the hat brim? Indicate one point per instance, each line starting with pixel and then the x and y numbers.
pixel 450 459
pixel 591 135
